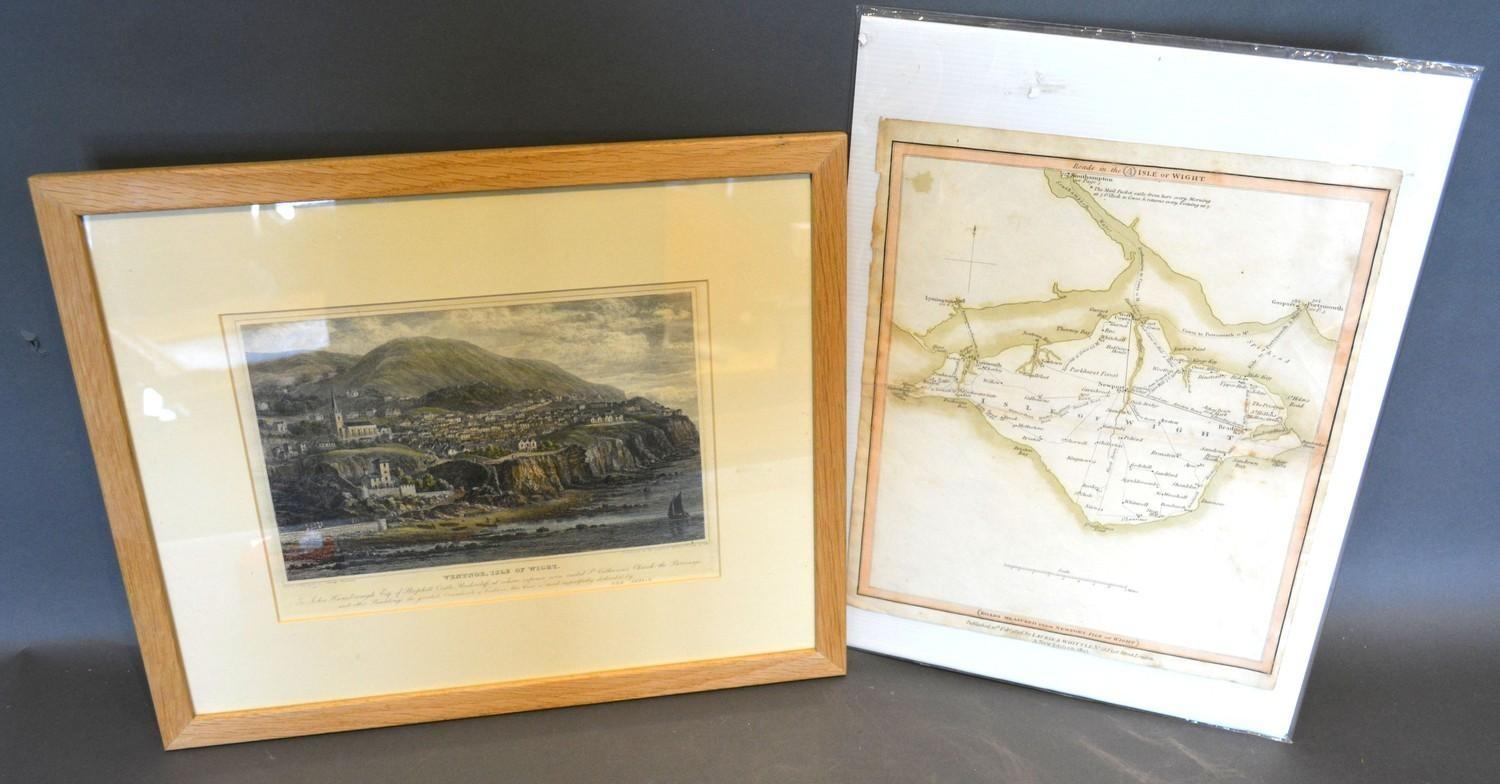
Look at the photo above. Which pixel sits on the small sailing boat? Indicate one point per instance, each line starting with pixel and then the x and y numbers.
pixel 676 514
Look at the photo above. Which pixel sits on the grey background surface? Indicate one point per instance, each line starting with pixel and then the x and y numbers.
pixel 1406 684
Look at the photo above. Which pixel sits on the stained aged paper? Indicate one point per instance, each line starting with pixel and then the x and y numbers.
pixel 1101 382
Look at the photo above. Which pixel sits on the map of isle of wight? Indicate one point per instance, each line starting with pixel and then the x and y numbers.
pixel 1105 379
pixel 1132 433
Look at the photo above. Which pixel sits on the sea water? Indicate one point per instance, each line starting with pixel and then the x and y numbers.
pixel 629 512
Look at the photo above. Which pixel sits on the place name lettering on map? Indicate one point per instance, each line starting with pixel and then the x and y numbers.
pixel 1138 171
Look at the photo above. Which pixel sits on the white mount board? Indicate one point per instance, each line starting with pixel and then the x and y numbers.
pixel 1340 110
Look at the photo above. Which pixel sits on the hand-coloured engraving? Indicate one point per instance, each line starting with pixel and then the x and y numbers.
pixel 406 437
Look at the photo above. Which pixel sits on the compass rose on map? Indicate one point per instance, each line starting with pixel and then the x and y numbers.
pixel 970 260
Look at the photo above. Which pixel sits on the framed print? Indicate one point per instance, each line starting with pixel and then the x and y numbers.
pixel 1121 367
pixel 417 437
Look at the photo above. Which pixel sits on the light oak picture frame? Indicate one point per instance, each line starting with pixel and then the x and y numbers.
pixel 64 201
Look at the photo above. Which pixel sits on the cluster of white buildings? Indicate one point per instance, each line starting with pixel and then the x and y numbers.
pixel 380 483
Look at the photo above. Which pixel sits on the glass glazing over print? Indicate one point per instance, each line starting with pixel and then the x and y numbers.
pixel 443 434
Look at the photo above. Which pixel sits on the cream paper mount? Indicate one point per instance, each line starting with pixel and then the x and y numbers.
pixel 419 437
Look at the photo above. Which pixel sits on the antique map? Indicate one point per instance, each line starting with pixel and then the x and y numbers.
pixel 1102 384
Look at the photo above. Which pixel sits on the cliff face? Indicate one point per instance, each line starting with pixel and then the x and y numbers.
pixel 318 486
pixel 316 493
pixel 588 455
pixel 353 464
pixel 680 431
pixel 545 474
pixel 606 455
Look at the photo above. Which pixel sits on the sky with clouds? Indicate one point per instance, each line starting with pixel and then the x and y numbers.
pixel 641 343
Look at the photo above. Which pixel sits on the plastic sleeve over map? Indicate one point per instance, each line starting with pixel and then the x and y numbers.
pixel 1184 41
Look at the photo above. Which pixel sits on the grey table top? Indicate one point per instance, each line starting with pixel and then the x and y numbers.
pixel 1405 712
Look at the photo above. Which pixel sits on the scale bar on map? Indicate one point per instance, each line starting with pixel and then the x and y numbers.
pixel 1074 577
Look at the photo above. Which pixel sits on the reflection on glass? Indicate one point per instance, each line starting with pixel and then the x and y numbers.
pixel 414 436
